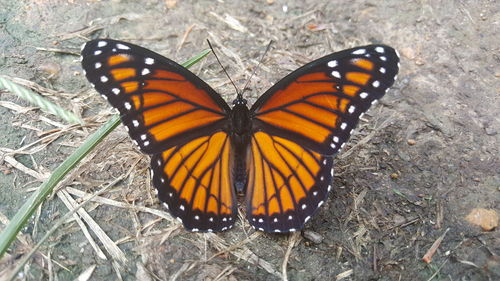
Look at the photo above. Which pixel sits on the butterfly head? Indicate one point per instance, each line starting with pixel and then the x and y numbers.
pixel 240 101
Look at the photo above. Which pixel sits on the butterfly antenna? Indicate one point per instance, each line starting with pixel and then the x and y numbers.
pixel 213 51
pixel 257 67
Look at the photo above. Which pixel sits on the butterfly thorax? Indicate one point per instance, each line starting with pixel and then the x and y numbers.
pixel 241 127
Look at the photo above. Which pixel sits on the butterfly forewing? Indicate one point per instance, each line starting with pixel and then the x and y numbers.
pixel 161 103
pixel 320 103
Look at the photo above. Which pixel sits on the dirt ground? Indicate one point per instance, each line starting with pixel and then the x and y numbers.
pixel 417 165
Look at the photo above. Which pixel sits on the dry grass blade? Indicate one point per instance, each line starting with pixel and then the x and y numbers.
pixel 293 240
pixel 70 204
pixel 111 202
pixel 86 274
pixel 243 253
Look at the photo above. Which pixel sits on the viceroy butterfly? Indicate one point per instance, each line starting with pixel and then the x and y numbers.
pixel 279 151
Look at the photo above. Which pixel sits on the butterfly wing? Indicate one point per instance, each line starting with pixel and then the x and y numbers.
pixel 300 123
pixel 172 114
pixel 161 103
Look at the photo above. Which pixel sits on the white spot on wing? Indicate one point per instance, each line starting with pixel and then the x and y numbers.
pixel 376 83
pixel 123 47
pixel 143 137
pixel 101 44
pixel 149 61
pixel 335 139
pixel 351 109
pixel 97 52
pixel 379 50
pixel 383 58
pixel 304 206
pixel 343 125
pixel 363 95
pixel 127 105
pixel 196 217
pixel 145 71
pixel 359 52
pixel 146 143
pixel 333 63
pixel 181 207
pixel 382 70
pixel 97 65
pixel 104 79
pixel 261 220
pixel 135 123
pixel 336 74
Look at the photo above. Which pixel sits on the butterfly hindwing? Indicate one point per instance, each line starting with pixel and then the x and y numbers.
pixel 320 103
pixel 300 122
pixel 194 182
pixel 160 102
pixel 287 183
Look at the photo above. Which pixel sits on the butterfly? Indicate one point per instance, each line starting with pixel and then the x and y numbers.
pixel 279 152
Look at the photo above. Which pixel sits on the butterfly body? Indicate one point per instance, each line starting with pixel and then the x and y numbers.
pixel 279 152
pixel 240 132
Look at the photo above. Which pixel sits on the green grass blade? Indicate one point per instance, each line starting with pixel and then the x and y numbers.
pixel 190 62
pixel 26 211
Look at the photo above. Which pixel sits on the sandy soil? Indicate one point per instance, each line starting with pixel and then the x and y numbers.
pixel 420 162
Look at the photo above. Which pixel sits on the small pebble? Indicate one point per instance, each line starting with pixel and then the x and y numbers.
pixel 411 141
pixel 312 236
